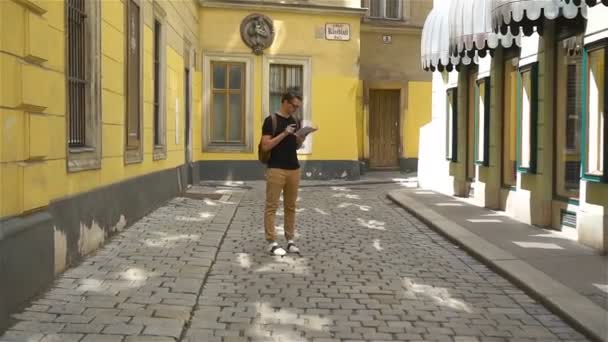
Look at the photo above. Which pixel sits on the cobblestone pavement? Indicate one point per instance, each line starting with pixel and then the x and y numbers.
pixel 195 270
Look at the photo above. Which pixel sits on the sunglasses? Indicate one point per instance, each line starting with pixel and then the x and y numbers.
pixel 293 105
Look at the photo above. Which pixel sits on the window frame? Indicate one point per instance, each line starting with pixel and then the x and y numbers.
pixel 208 145
pixel 400 10
pixel 451 147
pixel 483 160
pixel 87 157
pixel 306 63
pixel 228 91
pixel 560 190
pixel 532 68
pixel 160 146
pixel 588 48
pixel 134 153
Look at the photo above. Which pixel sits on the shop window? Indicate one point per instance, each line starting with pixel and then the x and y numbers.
pixel 509 134
pixel 568 125
pixel 452 125
pixel 482 122
pixel 594 139
pixel 527 118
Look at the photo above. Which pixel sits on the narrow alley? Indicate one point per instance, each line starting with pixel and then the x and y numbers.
pixel 196 270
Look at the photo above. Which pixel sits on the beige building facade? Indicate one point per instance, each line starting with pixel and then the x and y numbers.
pixel 520 106
pixel 395 99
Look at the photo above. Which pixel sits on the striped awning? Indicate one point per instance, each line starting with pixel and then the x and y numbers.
pixel 471 29
pixel 523 15
pixel 589 3
pixel 435 42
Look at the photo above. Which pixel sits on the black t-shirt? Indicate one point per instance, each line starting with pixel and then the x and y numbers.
pixel 283 155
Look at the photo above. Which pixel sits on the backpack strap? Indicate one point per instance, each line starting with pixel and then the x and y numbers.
pixel 273 118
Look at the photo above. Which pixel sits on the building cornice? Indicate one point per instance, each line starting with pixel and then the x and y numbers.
pixel 285 7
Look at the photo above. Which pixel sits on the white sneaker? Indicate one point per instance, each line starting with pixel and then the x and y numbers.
pixel 292 248
pixel 275 249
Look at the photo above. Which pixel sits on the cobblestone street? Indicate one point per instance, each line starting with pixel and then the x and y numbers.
pixel 196 270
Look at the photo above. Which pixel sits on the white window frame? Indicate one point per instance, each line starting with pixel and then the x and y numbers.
pixel 306 63
pixel 248 60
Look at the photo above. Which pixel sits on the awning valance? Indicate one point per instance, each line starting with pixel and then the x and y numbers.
pixel 435 42
pixel 471 28
pixel 523 15
pixel 588 2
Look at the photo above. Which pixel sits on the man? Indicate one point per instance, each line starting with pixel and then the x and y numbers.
pixel 283 173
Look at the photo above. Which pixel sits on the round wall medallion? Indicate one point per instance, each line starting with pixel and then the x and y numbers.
pixel 257 31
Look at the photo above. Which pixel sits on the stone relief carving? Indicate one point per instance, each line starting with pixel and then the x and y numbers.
pixel 257 31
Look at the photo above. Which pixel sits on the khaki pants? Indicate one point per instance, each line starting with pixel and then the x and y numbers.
pixel 277 181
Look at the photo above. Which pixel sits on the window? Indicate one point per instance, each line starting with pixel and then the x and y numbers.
pixel 385 9
pixel 159 130
pixel 134 89
pixel 482 122
pixel 83 44
pixel 527 120
pixel 595 123
pixel 77 77
pixel 157 107
pixel 509 133
pixel 568 125
pixel 284 78
pixel 228 106
pixel 452 125
pixel 227 103
pixel 283 74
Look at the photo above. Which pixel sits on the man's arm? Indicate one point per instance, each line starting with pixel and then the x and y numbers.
pixel 268 142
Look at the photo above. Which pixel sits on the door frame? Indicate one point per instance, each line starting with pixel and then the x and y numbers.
pixel 382 85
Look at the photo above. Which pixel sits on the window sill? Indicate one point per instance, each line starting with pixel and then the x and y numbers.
pixel 160 153
pixel 217 148
pixel 595 178
pixel 84 149
pixel 133 156
pixel 83 159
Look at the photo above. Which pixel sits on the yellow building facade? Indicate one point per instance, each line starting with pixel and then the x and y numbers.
pixel 109 108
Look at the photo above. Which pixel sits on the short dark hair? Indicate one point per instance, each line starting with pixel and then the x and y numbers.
pixel 288 96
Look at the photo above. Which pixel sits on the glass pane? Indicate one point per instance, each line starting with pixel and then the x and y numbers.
pixel 510 124
pixel 276 79
pixel 393 9
pixel 275 102
pixel 284 78
pixel 293 78
pixel 375 8
pixel 595 124
pixel 481 116
pixel 450 126
pixel 219 76
pixel 236 118
pixel 236 72
pixel 568 125
pixel 526 129
pixel 219 117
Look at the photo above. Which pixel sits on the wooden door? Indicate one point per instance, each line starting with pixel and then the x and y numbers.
pixel 384 128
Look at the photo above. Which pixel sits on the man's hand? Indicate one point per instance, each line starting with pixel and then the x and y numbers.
pixel 290 129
